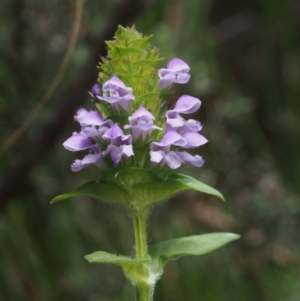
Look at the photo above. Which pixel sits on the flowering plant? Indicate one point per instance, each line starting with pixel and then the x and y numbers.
pixel 137 143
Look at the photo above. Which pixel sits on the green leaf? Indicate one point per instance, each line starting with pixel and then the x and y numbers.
pixel 191 245
pixel 101 257
pixel 188 182
pixel 107 192
pixel 138 187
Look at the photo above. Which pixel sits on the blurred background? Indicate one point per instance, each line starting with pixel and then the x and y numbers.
pixel 245 66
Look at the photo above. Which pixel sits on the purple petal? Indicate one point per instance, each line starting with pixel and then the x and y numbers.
pixel 88 117
pixel 174 120
pixel 96 90
pixel 90 159
pixel 77 142
pixel 170 138
pixel 194 160
pixel 173 160
pixel 177 64
pixel 127 150
pixel 182 78
pixel 76 166
pixel 192 125
pixel 116 152
pixel 156 156
pixel 165 83
pixel 114 81
pixel 116 136
pixel 177 71
pixel 141 124
pixel 141 112
pixel 116 93
pixel 186 105
pixel 194 139
pixel 96 132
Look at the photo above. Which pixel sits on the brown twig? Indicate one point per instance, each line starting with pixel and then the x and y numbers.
pixel 53 86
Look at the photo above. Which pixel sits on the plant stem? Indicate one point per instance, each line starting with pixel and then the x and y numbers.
pixel 143 289
pixel 144 292
pixel 140 233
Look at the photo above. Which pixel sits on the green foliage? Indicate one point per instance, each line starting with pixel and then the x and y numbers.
pixel 137 187
pixel 126 262
pixel 191 245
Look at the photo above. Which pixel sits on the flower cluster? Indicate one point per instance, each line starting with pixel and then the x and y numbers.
pixel 131 126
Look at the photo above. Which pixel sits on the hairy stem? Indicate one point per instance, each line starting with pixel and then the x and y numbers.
pixel 140 233
pixel 144 292
pixel 143 287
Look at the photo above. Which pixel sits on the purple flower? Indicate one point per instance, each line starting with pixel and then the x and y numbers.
pixel 92 124
pixel 116 93
pixel 120 144
pixel 193 139
pixel 194 160
pixel 78 142
pixel 141 124
pixel 85 117
pixel 177 72
pixel 96 90
pixel 186 128
pixel 95 132
pixel 184 105
pixel 160 151
pixel 94 158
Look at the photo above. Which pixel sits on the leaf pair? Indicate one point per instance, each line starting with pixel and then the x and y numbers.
pixel 138 187
pixel 168 250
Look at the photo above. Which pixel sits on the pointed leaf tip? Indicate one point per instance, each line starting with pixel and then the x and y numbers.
pixel 109 192
pixel 191 245
pixel 188 182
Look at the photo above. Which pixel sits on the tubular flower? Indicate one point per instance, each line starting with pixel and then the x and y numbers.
pixel 177 71
pixel 93 158
pixel 186 128
pixel 79 142
pixel 85 117
pixel 161 151
pixel 92 124
pixel 120 144
pixel 141 124
pixel 116 93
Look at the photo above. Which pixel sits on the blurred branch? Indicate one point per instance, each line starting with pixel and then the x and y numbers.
pixel 15 182
pixel 53 86
pixel 12 54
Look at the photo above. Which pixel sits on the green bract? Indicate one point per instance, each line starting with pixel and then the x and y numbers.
pixel 131 58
